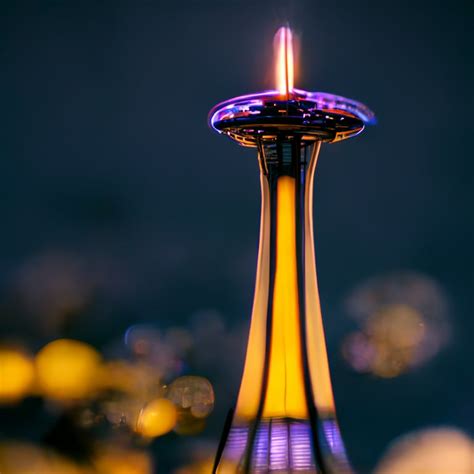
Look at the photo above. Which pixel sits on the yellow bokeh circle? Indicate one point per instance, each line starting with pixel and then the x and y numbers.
pixel 16 375
pixel 157 418
pixel 68 370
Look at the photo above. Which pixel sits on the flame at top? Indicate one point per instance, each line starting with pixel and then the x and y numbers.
pixel 284 64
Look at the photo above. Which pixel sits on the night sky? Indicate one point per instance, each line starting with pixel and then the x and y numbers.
pixel 106 156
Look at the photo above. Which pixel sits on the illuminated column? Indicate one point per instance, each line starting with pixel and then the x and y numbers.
pixel 284 420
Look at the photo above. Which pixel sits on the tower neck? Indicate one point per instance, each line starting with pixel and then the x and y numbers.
pixel 281 354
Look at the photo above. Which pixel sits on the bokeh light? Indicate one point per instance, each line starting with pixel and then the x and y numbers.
pixel 16 374
pixel 194 394
pixel 121 392
pixel 24 458
pixel 404 322
pixel 130 386
pixel 122 411
pixel 194 397
pixel 138 379
pixel 431 451
pixel 389 342
pixel 118 459
pixel 68 370
pixel 164 350
pixel 157 418
pixel 92 394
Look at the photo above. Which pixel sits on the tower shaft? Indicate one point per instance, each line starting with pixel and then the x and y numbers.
pixel 284 419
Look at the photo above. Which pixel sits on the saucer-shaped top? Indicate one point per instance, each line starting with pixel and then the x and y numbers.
pixel 269 115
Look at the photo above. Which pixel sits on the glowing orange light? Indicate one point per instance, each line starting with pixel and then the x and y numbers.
pixel 157 418
pixel 16 375
pixel 315 339
pixel 284 60
pixel 248 400
pixel 116 460
pixel 22 458
pixel 67 369
pixel 285 393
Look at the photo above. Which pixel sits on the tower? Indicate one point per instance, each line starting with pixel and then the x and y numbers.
pixel 284 420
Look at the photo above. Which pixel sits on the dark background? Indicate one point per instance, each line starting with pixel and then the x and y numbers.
pixel 106 155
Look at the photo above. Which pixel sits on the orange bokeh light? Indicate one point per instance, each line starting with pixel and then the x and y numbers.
pixel 157 418
pixel 67 370
pixel 16 375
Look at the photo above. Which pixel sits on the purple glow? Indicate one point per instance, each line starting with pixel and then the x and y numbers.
pixel 325 100
pixel 280 445
pixel 236 443
pixel 333 437
pixel 322 101
pixel 261 450
pixel 302 453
